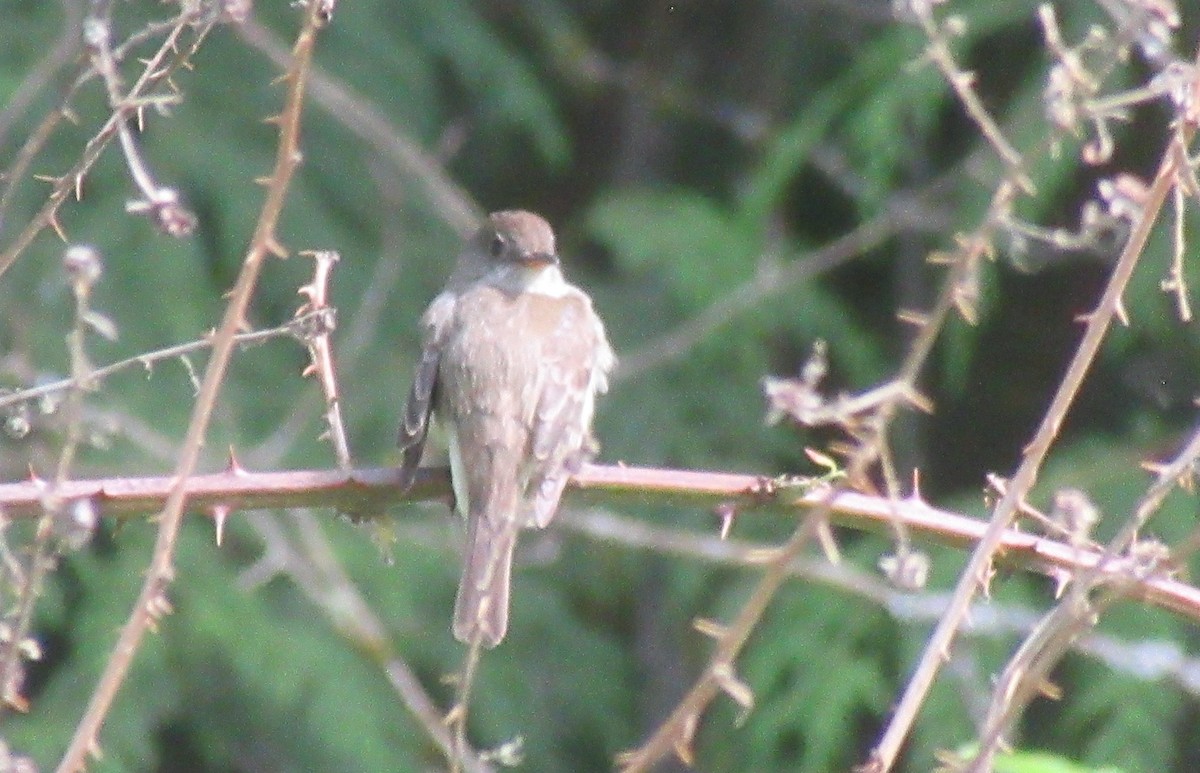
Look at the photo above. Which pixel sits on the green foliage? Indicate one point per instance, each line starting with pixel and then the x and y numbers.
pixel 1039 762
pixel 791 728
pixel 686 152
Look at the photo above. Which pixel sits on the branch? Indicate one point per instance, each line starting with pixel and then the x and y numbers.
pixel 151 603
pixel 371 491
pixel 973 576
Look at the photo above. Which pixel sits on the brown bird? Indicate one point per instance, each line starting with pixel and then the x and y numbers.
pixel 513 357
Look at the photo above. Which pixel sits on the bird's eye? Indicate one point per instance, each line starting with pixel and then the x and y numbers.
pixel 497 245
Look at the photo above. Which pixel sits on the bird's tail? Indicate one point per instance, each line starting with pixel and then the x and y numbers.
pixel 481 609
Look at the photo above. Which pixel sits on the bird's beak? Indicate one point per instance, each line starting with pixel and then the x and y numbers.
pixel 538 259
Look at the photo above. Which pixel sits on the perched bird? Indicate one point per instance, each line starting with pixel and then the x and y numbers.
pixel 512 359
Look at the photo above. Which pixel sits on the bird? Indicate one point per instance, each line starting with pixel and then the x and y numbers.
pixel 512 359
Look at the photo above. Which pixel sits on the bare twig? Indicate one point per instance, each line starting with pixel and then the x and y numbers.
pixel 370 491
pixel 321 351
pixel 315 568
pixel 160 66
pixel 1122 562
pixel 152 602
pixel 1147 660
pixel 976 571
pixel 938 33
pixel 160 203
pixel 83 269
pixel 295 328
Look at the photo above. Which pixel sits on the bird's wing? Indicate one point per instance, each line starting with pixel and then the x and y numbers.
pixel 415 425
pixel 574 368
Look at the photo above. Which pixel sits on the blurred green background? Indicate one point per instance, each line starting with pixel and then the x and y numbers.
pixel 689 154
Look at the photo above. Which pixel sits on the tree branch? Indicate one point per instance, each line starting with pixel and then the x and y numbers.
pixel 370 491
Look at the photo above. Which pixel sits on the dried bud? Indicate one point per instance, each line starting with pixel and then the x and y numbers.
pixel 75 523
pixel 83 264
pixel 1124 196
pixel 1074 512
pixel 236 11
pixel 798 398
pixel 17 425
pixel 167 211
pixel 906 569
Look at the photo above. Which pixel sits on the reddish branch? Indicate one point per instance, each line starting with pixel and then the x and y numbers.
pixel 369 492
pixel 152 603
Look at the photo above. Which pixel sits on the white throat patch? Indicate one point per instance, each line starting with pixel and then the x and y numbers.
pixel 544 280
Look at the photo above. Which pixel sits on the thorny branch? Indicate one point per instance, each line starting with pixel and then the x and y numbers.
pixel 1125 560
pixel 977 571
pixel 322 316
pixel 370 491
pixel 152 601
pixel 298 327
pixel 83 269
pixel 1149 660
pixel 158 69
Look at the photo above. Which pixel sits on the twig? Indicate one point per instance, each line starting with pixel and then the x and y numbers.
pixel 161 203
pixel 295 328
pixel 315 568
pixel 321 351
pixel 157 69
pixel 1120 564
pixel 83 269
pixel 963 83
pixel 1146 660
pixel 152 603
pixel 975 573
pixel 370 491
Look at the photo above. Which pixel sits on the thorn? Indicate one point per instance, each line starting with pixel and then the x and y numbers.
pixel 735 688
pixel 455 715
pixel 916 486
pixel 710 628
pixel 275 120
pixel 57 226
pixel 264 180
pixel 683 744
pixel 33 477
pixel 233 466
pixel 828 544
pixel 821 460
pixel 726 511
pixel 220 514
pixel 16 701
pixel 1062 578
pixel 275 248
pixel 918 401
pixel 1050 690
pixel 914 318
pixel 79 187
pixel 310 369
